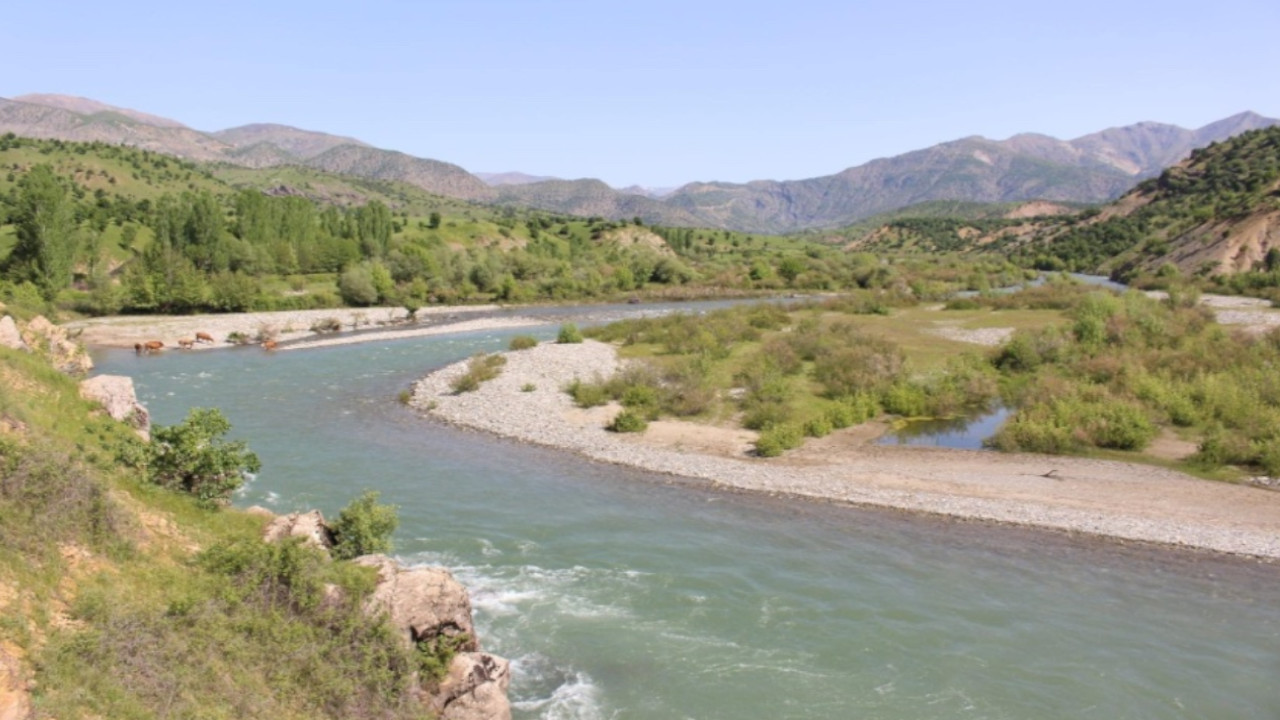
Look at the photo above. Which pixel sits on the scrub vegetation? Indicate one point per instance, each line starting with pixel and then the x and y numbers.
pixel 1085 370
pixel 133 596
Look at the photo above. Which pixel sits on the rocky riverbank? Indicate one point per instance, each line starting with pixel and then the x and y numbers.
pixel 1096 497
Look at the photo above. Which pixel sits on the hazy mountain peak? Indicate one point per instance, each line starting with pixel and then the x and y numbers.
pixel 86 106
pixel 301 143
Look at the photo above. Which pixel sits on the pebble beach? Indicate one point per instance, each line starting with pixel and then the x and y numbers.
pixel 1117 500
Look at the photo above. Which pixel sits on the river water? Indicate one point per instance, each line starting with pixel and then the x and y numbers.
pixel 621 594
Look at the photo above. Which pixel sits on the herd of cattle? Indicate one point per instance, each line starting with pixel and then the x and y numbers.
pixel 151 346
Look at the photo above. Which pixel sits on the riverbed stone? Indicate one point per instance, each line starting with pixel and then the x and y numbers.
pixel 310 526
pixel 9 335
pixel 424 604
pixel 117 396
pixel 475 688
pixel 65 354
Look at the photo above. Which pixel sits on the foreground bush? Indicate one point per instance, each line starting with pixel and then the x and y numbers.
pixel 192 457
pixel 364 527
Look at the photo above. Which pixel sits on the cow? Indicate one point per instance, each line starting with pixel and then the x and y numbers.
pixel 153 346
pixel 204 337
pixel 269 345
pixel 186 343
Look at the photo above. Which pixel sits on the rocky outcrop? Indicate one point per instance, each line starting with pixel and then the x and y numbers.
pixel 475 688
pixel 427 606
pixel 65 354
pixel 9 335
pixel 15 695
pixel 424 604
pixel 116 395
pixel 309 525
pixel 428 609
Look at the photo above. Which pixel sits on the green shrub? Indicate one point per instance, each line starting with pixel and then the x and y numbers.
pixel 522 342
pixel 906 399
pixel 528 387
pixel 639 396
pixel 569 334
pixel 192 457
pixel 818 427
pixel 47 495
pixel 480 368
pixel 628 421
pixel 586 395
pixel 364 527
pixel 775 440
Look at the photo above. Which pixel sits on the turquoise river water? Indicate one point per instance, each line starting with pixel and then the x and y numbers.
pixel 621 594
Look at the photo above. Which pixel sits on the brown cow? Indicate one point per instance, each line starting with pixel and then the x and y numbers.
pixel 186 343
pixel 204 337
pixel 153 346
pixel 270 345
pixel 137 348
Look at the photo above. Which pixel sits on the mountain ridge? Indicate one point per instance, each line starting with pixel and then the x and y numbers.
pixel 1093 168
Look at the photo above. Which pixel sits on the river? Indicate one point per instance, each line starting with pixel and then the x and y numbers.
pixel 621 594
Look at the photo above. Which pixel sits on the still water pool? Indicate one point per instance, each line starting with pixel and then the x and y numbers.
pixel 619 594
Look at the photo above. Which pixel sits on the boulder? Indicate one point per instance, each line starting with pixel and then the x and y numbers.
pixel 309 525
pixel 65 354
pixel 116 395
pixel 424 604
pixel 9 335
pixel 475 688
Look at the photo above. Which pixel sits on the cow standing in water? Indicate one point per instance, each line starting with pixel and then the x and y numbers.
pixel 149 346
pixel 204 337
pixel 270 345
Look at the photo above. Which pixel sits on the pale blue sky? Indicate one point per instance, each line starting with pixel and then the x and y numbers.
pixel 659 92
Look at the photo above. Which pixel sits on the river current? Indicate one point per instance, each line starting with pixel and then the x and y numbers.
pixel 622 594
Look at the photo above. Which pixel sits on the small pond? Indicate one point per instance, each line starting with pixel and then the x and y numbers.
pixel 964 433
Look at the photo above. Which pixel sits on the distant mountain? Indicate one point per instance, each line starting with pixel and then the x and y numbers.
pixel 1090 169
pixel 511 178
pixel 431 175
pixel 109 126
pixel 1216 213
pixel 294 142
pixel 591 198
pixel 85 106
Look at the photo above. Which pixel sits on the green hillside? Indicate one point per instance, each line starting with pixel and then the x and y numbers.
pixel 143 232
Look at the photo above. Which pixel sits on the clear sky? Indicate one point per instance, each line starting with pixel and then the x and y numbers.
pixel 657 92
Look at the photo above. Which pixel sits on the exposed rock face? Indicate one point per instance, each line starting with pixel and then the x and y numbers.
pixel 474 689
pixel 65 354
pixel 424 604
pixel 309 525
pixel 116 395
pixel 9 335
pixel 15 698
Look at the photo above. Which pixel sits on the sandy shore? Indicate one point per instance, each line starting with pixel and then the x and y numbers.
pixel 293 329
pixel 1096 497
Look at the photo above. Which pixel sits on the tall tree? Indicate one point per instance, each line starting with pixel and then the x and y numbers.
pixel 46 225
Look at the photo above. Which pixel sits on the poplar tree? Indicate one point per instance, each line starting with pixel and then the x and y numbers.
pixel 46 228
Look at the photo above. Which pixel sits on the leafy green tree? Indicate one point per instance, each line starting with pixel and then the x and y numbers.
pixel 364 527
pixel 192 457
pixel 46 228
pixel 433 221
pixel 356 285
